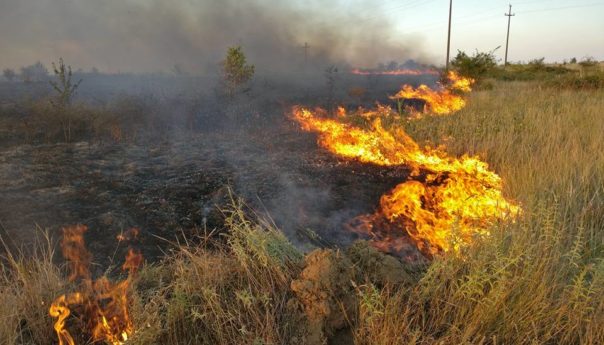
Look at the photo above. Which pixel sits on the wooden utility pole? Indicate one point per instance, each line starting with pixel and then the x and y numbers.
pixel 507 40
pixel 306 46
pixel 449 34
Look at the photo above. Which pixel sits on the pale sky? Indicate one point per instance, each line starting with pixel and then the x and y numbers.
pixel 154 35
pixel 554 29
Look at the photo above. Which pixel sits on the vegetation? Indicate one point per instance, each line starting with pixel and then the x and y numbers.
pixel 9 74
pixel 34 73
pixel 538 281
pixel 476 66
pixel 64 86
pixel 482 66
pixel 62 111
pixel 235 70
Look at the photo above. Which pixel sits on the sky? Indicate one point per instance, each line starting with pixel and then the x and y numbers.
pixel 553 29
pixel 155 35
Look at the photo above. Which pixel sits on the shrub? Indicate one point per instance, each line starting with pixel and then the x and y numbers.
pixel 475 66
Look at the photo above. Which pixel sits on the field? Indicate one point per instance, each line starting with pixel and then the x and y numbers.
pixel 536 280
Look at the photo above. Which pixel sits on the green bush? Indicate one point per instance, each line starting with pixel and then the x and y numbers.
pixel 476 66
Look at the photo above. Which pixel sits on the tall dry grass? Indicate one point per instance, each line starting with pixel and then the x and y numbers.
pixel 28 284
pixel 235 293
pixel 540 280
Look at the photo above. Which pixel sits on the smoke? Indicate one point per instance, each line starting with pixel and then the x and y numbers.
pixel 154 35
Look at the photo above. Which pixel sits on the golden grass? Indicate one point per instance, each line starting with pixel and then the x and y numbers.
pixel 540 280
pixel 27 287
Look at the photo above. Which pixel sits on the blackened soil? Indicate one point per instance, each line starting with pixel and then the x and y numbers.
pixel 173 187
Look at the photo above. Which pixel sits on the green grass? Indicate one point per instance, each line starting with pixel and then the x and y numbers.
pixel 539 280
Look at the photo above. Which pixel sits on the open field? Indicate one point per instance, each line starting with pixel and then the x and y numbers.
pixel 538 280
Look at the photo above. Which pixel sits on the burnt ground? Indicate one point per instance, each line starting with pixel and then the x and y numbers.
pixel 173 187
pixel 171 182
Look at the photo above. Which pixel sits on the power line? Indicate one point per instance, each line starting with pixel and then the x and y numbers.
pixel 399 8
pixel 564 7
pixel 437 25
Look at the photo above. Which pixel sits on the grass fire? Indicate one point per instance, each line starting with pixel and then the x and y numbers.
pixel 300 173
pixel 102 305
pixel 457 200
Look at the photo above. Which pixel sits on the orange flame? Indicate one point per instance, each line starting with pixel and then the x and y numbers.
pixel 359 71
pixel 75 251
pixel 128 235
pixel 101 304
pixel 440 102
pixel 458 199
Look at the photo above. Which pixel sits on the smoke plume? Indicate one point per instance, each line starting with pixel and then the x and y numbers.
pixel 154 35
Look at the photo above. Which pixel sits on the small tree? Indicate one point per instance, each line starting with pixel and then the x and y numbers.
pixel 63 86
pixel 65 89
pixel 9 74
pixel 236 72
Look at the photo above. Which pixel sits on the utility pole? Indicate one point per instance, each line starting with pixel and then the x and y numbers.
pixel 507 40
pixel 306 46
pixel 449 34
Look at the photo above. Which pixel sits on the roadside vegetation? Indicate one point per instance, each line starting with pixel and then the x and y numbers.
pixel 482 66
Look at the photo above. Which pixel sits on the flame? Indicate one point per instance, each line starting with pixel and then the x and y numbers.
pixel 359 71
pixel 75 251
pixel 448 202
pixel 101 304
pixel 128 235
pixel 440 102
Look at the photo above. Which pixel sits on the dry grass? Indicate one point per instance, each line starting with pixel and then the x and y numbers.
pixel 236 293
pixel 28 284
pixel 538 281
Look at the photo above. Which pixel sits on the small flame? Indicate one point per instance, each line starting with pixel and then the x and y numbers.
pixel 448 203
pixel 439 102
pixel 75 251
pixel 129 235
pixel 101 304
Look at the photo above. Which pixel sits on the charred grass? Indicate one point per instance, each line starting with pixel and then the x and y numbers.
pixel 539 280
